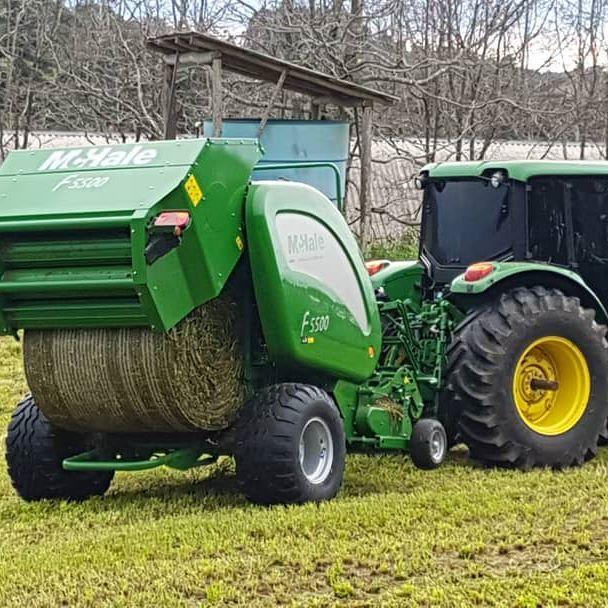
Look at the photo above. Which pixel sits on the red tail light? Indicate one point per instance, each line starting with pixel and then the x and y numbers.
pixel 375 266
pixel 476 272
pixel 175 221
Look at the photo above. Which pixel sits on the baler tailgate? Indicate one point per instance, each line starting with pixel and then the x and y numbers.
pixel 80 242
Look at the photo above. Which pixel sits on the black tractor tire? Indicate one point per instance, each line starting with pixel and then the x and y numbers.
pixel 428 444
pixel 603 439
pixel 448 415
pixel 271 428
pixel 481 366
pixel 35 450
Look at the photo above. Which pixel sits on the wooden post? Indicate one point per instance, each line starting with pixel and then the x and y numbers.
pixel 170 120
pixel 365 190
pixel 216 95
pixel 275 93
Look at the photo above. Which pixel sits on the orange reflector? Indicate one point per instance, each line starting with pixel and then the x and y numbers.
pixel 178 220
pixel 476 272
pixel 375 266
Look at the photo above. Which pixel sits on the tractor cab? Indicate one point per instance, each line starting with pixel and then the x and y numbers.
pixel 467 219
pixel 515 211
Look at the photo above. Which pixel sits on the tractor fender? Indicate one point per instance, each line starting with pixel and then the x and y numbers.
pixel 508 275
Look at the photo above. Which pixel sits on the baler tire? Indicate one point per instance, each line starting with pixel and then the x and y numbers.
pixel 482 363
pixel 429 444
pixel 35 450
pixel 267 452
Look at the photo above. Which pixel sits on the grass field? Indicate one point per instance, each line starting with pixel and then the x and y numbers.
pixel 459 536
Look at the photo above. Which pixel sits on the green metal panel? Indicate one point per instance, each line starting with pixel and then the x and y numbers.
pixel 505 270
pixel 75 223
pixel 25 252
pixel 104 180
pixel 521 170
pixel 198 269
pixel 315 299
pixel 401 280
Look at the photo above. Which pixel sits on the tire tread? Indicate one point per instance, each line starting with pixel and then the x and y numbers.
pixel 34 453
pixel 265 431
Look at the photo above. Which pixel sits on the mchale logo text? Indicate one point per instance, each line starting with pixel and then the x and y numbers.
pixel 98 157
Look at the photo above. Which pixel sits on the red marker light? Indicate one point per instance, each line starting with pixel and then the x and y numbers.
pixel 476 272
pixel 176 220
pixel 375 266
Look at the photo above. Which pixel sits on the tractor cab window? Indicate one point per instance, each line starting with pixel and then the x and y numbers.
pixel 547 221
pixel 548 208
pixel 584 245
pixel 590 219
pixel 466 221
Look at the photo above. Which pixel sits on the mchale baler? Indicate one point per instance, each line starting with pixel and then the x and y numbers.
pixel 173 312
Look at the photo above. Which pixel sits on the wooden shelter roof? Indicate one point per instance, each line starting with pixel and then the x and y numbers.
pixel 254 64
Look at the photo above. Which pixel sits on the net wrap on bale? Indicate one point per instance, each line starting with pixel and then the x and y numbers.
pixel 135 379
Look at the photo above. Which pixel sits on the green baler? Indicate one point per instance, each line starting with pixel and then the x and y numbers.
pixel 173 312
pixel 77 240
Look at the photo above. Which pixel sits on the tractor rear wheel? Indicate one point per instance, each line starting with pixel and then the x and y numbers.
pixel 528 376
pixel 291 446
pixel 35 450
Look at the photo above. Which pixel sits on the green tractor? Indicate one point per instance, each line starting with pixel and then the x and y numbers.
pixel 173 311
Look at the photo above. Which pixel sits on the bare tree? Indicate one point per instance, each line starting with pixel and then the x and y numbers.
pixel 468 74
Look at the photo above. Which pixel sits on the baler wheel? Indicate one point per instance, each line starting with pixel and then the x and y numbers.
pixel 291 446
pixel 429 444
pixel 35 451
pixel 528 376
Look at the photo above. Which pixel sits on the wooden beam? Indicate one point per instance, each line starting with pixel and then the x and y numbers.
pixel 170 119
pixel 365 190
pixel 216 95
pixel 190 58
pixel 336 101
pixel 273 97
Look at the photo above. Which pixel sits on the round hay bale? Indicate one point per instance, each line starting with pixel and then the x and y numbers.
pixel 135 380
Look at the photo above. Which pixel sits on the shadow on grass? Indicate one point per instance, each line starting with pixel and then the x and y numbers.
pixel 217 485
pixel 136 497
pixel 366 475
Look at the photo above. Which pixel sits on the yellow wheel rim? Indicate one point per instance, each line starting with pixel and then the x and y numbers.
pixel 551 385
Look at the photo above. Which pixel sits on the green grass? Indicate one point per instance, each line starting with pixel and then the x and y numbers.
pixel 406 248
pixel 395 536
